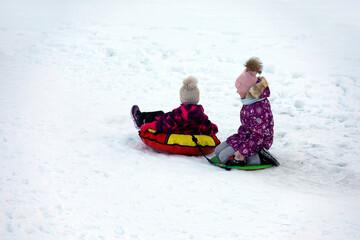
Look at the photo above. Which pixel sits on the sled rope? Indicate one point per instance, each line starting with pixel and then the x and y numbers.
pixel 195 140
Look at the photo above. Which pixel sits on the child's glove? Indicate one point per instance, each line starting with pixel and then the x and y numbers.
pixel 239 156
pixel 146 126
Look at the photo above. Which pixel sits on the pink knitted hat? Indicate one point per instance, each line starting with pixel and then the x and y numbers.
pixel 248 78
pixel 245 81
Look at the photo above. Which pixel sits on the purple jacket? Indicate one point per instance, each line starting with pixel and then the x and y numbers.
pixel 187 119
pixel 257 124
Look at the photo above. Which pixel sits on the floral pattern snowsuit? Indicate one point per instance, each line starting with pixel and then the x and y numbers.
pixel 257 127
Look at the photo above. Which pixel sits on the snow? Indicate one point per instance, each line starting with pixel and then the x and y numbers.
pixel 73 167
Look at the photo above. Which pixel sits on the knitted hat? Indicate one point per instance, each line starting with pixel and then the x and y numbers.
pixel 248 78
pixel 189 92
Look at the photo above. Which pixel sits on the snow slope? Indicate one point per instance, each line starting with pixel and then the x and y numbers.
pixel 73 167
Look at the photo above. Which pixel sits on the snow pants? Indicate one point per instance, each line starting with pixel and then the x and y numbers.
pixel 149 117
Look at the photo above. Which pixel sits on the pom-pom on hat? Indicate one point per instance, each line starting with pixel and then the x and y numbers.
pixel 248 78
pixel 189 92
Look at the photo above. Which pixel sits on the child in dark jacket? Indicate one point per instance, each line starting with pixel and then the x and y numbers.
pixel 189 118
pixel 256 131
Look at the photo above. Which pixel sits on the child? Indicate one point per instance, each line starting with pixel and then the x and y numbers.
pixel 256 130
pixel 189 118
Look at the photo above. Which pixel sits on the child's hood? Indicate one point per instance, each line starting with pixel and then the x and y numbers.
pixel 259 90
pixel 191 112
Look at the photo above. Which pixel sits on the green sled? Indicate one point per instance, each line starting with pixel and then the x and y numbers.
pixel 216 162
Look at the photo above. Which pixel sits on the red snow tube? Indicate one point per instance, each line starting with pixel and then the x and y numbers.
pixel 179 143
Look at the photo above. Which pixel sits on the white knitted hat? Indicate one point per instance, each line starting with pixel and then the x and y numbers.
pixel 189 92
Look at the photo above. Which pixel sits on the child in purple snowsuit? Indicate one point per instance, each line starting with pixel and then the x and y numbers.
pixel 257 123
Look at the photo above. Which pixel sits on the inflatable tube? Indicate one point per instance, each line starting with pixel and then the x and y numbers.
pixel 179 143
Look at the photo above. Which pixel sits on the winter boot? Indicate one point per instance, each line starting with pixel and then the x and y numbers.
pixel 267 158
pixel 136 117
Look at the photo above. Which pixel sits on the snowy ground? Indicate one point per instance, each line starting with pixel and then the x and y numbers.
pixel 73 167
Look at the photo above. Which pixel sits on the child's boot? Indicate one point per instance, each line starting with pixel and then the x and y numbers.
pixel 136 116
pixel 267 158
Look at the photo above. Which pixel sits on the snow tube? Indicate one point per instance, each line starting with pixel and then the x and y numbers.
pixel 179 143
